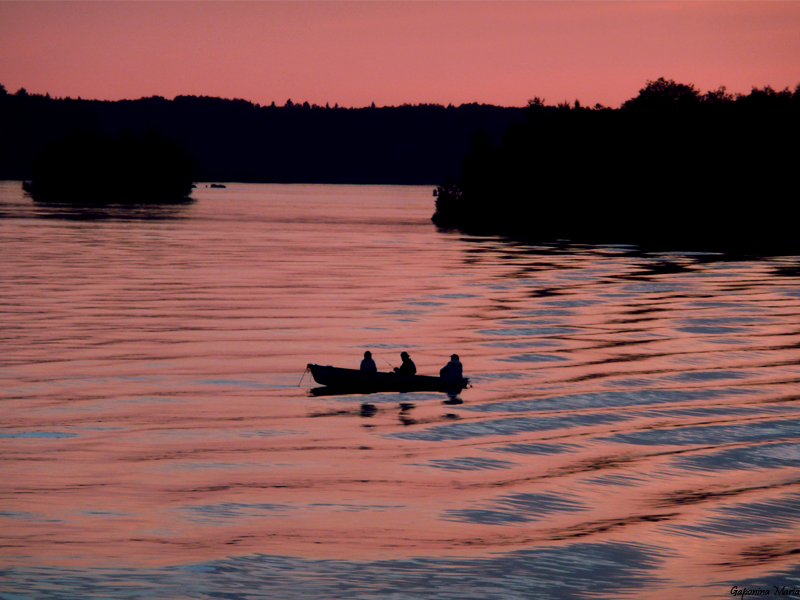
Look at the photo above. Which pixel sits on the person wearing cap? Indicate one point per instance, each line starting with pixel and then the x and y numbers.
pixel 368 364
pixel 453 369
pixel 408 367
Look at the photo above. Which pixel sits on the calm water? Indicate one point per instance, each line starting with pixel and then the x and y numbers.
pixel 633 429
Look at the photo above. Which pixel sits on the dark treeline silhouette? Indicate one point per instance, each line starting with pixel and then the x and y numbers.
pixel 670 166
pixel 92 169
pixel 236 140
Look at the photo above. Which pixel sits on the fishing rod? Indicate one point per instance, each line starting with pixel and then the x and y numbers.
pixel 304 375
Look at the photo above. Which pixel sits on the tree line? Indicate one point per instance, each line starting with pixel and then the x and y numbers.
pixel 671 165
pixel 237 140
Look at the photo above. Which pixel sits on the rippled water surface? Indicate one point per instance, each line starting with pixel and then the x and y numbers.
pixel 633 429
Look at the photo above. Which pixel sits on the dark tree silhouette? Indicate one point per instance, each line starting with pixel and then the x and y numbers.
pixel 236 140
pixel 91 169
pixel 671 166
pixel 664 94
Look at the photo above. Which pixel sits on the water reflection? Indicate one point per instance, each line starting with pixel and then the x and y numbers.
pixel 215 513
pixel 748 518
pixel 577 571
pixel 469 463
pixel 505 427
pixel 536 448
pixel 110 212
pixel 517 508
pixel 767 456
pixel 154 441
pixel 714 435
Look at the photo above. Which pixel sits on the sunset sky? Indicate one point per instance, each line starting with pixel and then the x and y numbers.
pixel 392 52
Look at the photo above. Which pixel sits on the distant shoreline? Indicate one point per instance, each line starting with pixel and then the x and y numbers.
pixel 236 140
pixel 671 166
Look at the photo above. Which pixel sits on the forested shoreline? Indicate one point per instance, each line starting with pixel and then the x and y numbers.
pixel 237 140
pixel 671 165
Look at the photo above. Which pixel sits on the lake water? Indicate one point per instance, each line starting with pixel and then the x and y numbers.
pixel 633 429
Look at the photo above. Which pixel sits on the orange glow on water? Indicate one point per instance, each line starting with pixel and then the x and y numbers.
pixel 151 417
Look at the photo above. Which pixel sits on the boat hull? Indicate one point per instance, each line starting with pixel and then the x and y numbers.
pixel 353 379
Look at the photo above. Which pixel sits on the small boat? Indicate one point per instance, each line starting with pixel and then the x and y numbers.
pixel 366 381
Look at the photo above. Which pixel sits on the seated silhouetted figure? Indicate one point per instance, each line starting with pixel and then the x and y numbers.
pixel 408 367
pixel 452 370
pixel 368 364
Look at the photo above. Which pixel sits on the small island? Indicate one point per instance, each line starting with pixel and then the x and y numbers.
pixel 671 166
pixel 89 168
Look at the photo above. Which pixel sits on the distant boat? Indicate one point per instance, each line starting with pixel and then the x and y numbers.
pixel 218 185
pixel 366 381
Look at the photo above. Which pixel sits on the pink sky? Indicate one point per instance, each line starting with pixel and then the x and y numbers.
pixel 355 53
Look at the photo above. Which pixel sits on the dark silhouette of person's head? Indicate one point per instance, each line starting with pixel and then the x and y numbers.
pixel 367 354
pixel 454 357
pixel 404 356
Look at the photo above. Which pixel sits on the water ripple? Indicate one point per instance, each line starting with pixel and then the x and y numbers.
pixel 575 571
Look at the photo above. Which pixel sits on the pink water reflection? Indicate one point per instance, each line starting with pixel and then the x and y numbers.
pixel 151 415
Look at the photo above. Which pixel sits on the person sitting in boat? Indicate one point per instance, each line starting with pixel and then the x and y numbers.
pixel 368 364
pixel 408 367
pixel 452 370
